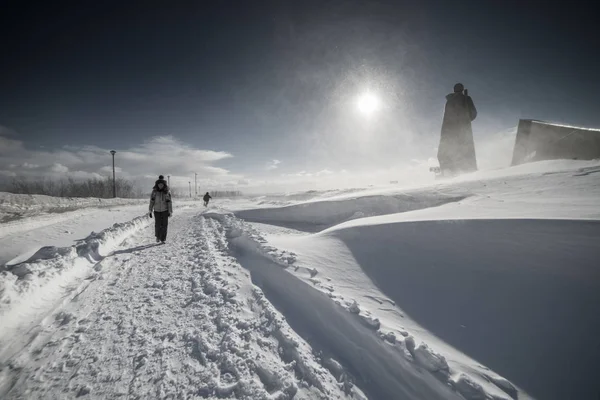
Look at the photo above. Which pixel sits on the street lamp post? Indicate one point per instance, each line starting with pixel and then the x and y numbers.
pixel 196 183
pixel 114 182
pixel 190 183
pixel 169 180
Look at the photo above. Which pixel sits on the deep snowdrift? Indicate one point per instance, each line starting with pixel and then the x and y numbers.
pixel 546 189
pixel 387 360
pixel 519 296
pixel 516 293
pixel 380 370
pixel 318 215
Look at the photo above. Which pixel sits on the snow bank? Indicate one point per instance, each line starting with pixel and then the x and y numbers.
pixel 336 324
pixel 547 189
pixel 539 168
pixel 518 296
pixel 351 338
pixel 378 370
pixel 505 276
pixel 497 287
pixel 51 271
pixel 318 215
pixel 295 197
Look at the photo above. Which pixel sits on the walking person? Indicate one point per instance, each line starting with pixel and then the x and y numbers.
pixel 206 198
pixel 456 152
pixel 160 203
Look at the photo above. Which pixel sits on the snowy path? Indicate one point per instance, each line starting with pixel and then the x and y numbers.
pixel 176 321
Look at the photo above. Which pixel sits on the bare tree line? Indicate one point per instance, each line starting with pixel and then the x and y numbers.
pixel 101 188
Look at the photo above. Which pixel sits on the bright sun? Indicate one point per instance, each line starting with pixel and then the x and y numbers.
pixel 367 103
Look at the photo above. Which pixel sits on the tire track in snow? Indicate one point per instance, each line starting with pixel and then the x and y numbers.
pixel 176 321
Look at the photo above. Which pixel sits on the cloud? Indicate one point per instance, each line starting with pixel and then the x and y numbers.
pixel 142 163
pixel 107 170
pixel 299 174
pixel 25 165
pixel 273 164
pixel 59 168
pixel 324 172
pixel 5 131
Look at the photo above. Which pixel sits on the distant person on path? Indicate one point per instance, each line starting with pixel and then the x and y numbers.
pixel 206 198
pixel 160 203
pixel 456 152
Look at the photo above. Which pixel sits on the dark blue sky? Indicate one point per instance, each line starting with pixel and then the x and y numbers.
pixel 269 79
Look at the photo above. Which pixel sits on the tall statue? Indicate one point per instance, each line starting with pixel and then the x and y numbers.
pixel 456 152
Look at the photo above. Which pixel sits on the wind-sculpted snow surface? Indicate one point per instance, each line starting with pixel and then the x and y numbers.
pixel 319 215
pixel 382 372
pixel 520 296
pixel 292 198
pixel 380 363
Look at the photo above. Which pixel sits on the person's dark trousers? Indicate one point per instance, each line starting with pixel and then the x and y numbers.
pixel 161 222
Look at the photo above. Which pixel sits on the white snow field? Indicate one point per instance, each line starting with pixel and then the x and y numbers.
pixel 16 206
pixel 480 287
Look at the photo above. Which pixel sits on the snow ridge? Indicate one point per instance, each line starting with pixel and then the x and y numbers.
pixel 350 339
pixel 54 271
pixel 347 338
pixel 318 215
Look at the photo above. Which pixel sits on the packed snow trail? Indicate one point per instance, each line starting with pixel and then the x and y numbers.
pixel 180 320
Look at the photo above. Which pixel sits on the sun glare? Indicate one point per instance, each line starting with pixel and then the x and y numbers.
pixel 367 103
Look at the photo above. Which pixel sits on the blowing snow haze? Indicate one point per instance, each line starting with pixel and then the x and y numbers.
pixel 279 95
pixel 311 199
